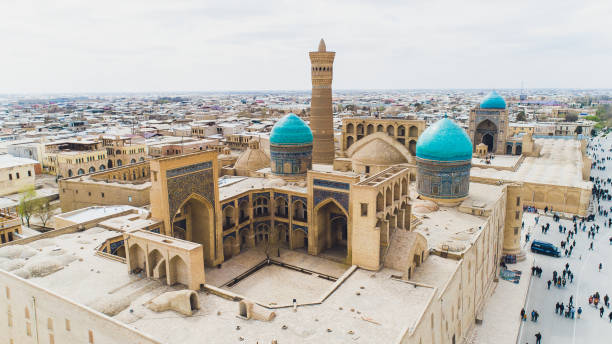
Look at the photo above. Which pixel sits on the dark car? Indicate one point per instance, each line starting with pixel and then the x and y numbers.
pixel 545 248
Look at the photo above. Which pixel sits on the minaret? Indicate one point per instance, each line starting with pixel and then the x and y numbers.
pixel 321 117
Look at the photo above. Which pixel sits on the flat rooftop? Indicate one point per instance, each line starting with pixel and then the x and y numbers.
pixel 454 228
pixel 367 307
pixel 95 212
pixel 128 223
pixel 560 164
pixel 134 185
pixel 255 183
pixel 506 161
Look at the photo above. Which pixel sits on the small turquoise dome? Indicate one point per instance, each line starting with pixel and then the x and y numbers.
pixel 444 141
pixel 493 101
pixel 290 130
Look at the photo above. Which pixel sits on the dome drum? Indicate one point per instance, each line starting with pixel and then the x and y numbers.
pixel 290 160
pixel 443 181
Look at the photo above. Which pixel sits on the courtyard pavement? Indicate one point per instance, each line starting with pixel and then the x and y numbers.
pixel 583 263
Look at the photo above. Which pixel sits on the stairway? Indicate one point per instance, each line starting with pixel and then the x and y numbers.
pixel 398 253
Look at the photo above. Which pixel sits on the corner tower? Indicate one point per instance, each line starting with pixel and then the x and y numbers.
pixel 321 118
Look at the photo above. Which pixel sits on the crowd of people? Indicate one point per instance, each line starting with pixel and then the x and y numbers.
pixel 600 216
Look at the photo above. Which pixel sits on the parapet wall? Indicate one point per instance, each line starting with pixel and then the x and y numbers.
pixel 66 230
pixel 32 314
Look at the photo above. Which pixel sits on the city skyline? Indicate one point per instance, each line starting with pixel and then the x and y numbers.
pixel 68 47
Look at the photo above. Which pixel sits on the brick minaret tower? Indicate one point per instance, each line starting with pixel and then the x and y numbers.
pixel 321 117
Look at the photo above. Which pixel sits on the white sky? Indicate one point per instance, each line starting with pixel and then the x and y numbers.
pixel 175 45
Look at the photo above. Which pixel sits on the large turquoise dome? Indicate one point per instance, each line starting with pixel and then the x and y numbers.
pixel 444 141
pixel 290 130
pixel 493 101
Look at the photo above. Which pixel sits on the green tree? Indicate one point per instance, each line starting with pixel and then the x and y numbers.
pixel 43 209
pixel 570 117
pixel 521 117
pixel 26 206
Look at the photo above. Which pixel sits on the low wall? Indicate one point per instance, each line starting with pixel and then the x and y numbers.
pixel 512 168
pixel 554 196
pixel 37 315
pixel 65 230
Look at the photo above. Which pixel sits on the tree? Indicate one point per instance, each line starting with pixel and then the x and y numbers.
pixel 25 209
pixel 570 117
pixel 271 244
pixel 43 210
pixel 521 117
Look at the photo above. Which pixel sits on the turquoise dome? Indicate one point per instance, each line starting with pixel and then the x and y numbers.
pixel 493 101
pixel 444 141
pixel 290 130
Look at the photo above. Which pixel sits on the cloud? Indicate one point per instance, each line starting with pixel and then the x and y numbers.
pixel 114 46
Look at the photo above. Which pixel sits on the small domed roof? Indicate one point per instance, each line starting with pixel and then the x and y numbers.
pixel 444 141
pixel 290 130
pixel 253 159
pixel 378 152
pixel 493 101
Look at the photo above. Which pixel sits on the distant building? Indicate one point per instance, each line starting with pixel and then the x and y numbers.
pixel 489 123
pixel 67 158
pixel 10 227
pixel 16 174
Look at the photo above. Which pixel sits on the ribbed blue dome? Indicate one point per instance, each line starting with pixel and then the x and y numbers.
pixel 290 130
pixel 493 101
pixel 444 141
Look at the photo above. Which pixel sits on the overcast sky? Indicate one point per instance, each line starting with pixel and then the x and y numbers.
pixel 149 45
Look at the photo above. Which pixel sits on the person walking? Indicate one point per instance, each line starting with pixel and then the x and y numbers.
pixel 600 266
pixel 601 312
pixel 523 314
pixel 538 338
pixel 548 284
pixel 610 316
pixel 580 312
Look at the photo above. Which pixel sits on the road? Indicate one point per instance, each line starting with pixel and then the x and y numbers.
pixel 590 329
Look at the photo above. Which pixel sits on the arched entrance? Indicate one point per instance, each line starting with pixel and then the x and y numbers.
pixel 487 139
pixel 194 222
pixel 137 258
pixel 412 147
pixel 157 264
pixel 332 229
pixel 349 141
pixel 509 149
pixel 486 132
pixel 178 272
pixel 228 247
pixel 283 235
pixel 519 150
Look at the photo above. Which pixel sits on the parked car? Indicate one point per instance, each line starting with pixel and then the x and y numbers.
pixel 545 248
